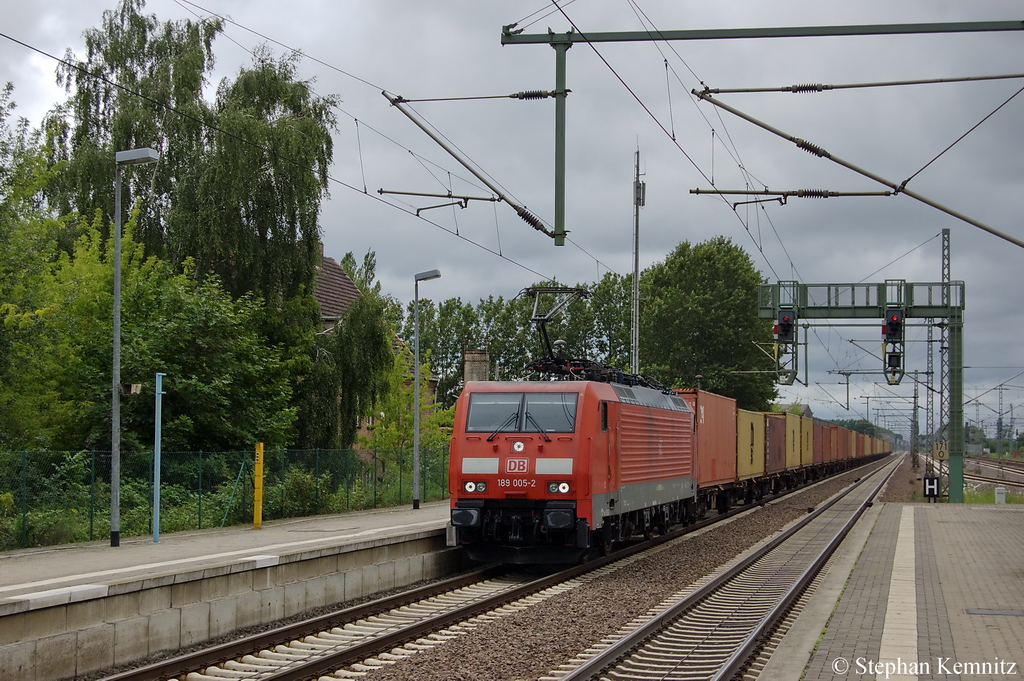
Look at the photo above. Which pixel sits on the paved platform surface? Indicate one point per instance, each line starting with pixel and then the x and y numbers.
pixel 919 591
pixel 56 567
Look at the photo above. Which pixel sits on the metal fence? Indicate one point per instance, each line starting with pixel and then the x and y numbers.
pixel 49 497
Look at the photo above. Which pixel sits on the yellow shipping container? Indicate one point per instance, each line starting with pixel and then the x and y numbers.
pixel 749 444
pixel 793 447
pixel 806 441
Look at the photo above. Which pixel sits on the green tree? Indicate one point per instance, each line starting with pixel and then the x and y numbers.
pixel 364 276
pixel 445 332
pixel 701 319
pixel 240 180
pixel 506 332
pixel 249 209
pixel 168 65
pixel 612 321
pixel 392 426
pixel 226 386
pixel 353 362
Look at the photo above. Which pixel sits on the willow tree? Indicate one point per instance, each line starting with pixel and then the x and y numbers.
pixel 240 180
pixel 700 319
pixel 140 84
pixel 250 211
pixel 353 362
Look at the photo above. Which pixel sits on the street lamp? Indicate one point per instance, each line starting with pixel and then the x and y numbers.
pixel 422 276
pixel 132 157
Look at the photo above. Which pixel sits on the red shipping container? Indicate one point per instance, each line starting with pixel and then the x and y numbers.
pixel 821 439
pixel 843 442
pixel 714 426
pixel 775 452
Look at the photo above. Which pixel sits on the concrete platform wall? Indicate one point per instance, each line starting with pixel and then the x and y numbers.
pixel 66 633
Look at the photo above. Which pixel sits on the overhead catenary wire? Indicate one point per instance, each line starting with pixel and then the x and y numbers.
pixel 521 95
pixel 958 139
pixel 731 147
pixel 584 37
pixel 822 153
pixel 260 147
pixel 821 87
pixel 657 122
pixel 743 169
pixel 528 217
pixel 526 95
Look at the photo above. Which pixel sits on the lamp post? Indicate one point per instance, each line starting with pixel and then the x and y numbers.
pixel 121 158
pixel 157 437
pixel 422 276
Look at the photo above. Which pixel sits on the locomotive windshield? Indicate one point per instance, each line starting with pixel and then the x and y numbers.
pixel 522 413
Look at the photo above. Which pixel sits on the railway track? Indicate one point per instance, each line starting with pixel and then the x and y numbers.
pixel 1005 467
pixel 715 629
pixel 997 482
pixel 373 634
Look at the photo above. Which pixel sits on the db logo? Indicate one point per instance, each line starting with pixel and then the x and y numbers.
pixel 517 465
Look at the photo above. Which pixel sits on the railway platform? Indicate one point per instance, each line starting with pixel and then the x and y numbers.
pixel 70 610
pixel 918 591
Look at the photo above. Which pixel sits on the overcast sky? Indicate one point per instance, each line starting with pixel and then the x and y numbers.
pixel 630 96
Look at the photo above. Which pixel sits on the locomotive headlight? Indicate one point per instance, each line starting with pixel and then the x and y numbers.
pixel 475 486
pixel 563 487
pixel 558 488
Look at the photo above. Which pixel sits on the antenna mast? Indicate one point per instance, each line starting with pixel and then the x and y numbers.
pixel 639 196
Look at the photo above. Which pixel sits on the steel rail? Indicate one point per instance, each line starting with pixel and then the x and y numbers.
pixel 998 482
pixel 228 651
pixel 313 668
pixel 635 639
pixel 326 664
pixel 738 660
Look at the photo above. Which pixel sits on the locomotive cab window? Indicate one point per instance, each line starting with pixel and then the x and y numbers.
pixel 550 413
pixel 522 413
pixel 490 412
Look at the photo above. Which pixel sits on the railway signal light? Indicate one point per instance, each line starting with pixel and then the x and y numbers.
pixel 893 328
pixel 786 327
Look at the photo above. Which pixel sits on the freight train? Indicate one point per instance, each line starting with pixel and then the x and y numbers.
pixel 542 471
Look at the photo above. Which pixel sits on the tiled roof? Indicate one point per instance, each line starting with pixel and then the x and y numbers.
pixel 334 290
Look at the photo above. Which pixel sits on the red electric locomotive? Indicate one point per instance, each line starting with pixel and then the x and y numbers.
pixel 541 471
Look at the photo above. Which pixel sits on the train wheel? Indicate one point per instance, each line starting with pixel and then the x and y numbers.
pixel 606 542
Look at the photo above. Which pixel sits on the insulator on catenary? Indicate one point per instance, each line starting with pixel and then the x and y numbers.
pixel 807 87
pixel 532 94
pixel 811 148
pixel 532 220
pixel 812 193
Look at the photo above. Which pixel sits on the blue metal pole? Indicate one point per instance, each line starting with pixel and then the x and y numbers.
pixel 156 455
